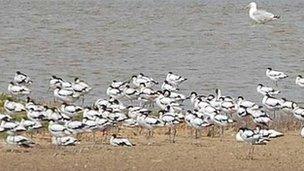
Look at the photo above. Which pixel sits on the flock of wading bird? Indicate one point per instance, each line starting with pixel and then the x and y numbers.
pixel 111 115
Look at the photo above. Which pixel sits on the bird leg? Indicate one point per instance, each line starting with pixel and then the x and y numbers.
pixel 196 133
pixel 190 131
pixel 140 130
pixel 249 152
pixel 213 132
pixel 252 152
pixel 222 132
pixel 174 134
pixel 169 131
pixel 82 101
pixel 94 137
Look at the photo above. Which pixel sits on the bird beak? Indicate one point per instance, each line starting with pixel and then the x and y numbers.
pixel 247 7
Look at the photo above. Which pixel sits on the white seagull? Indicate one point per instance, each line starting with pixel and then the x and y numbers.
pixel 260 16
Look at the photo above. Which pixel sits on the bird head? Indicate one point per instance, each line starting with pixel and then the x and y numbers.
pixel 251 5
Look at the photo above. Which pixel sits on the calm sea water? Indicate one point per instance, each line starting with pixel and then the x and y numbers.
pixel 213 43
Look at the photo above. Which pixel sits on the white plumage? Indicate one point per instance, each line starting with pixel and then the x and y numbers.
pixel 16 90
pixel 12 107
pixel 21 78
pixel 271 103
pixel 266 90
pixel 115 141
pixel 58 130
pixel 275 75
pixel 302 132
pixel 19 140
pixel 70 110
pixel 300 81
pixel 64 141
pixel 174 79
pixel 260 16
pixel 65 95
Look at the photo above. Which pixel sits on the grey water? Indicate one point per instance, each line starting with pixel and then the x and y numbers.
pixel 211 42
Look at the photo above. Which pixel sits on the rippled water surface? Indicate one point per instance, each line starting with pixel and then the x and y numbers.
pixel 212 43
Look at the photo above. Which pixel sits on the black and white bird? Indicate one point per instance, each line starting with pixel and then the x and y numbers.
pixel 148 122
pixel 275 75
pixel 11 127
pixel 35 115
pixel 141 79
pixel 70 110
pixel 168 86
pixel 147 94
pixel 198 122
pixel 19 140
pixel 81 86
pixel 250 137
pixel 287 106
pixel 5 117
pixel 22 78
pixel 115 141
pixel 222 121
pixel 241 102
pixel 91 113
pixel 300 81
pixel 268 133
pixel 65 95
pixel 298 113
pixel 18 90
pixel 64 141
pixel 31 105
pixel 131 93
pixel 75 127
pixel 30 124
pixel 272 103
pixel 175 79
pixel 242 113
pixel 58 130
pixel 169 119
pixel 228 107
pixel 260 117
pixel 266 90
pixel 12 107
pixel 177 97
pixel 57 82
pixel 115 93
pixel 119 84
pixel 54 82
pixel 148 79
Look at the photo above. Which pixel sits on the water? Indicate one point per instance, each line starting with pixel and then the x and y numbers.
pixel 212 43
